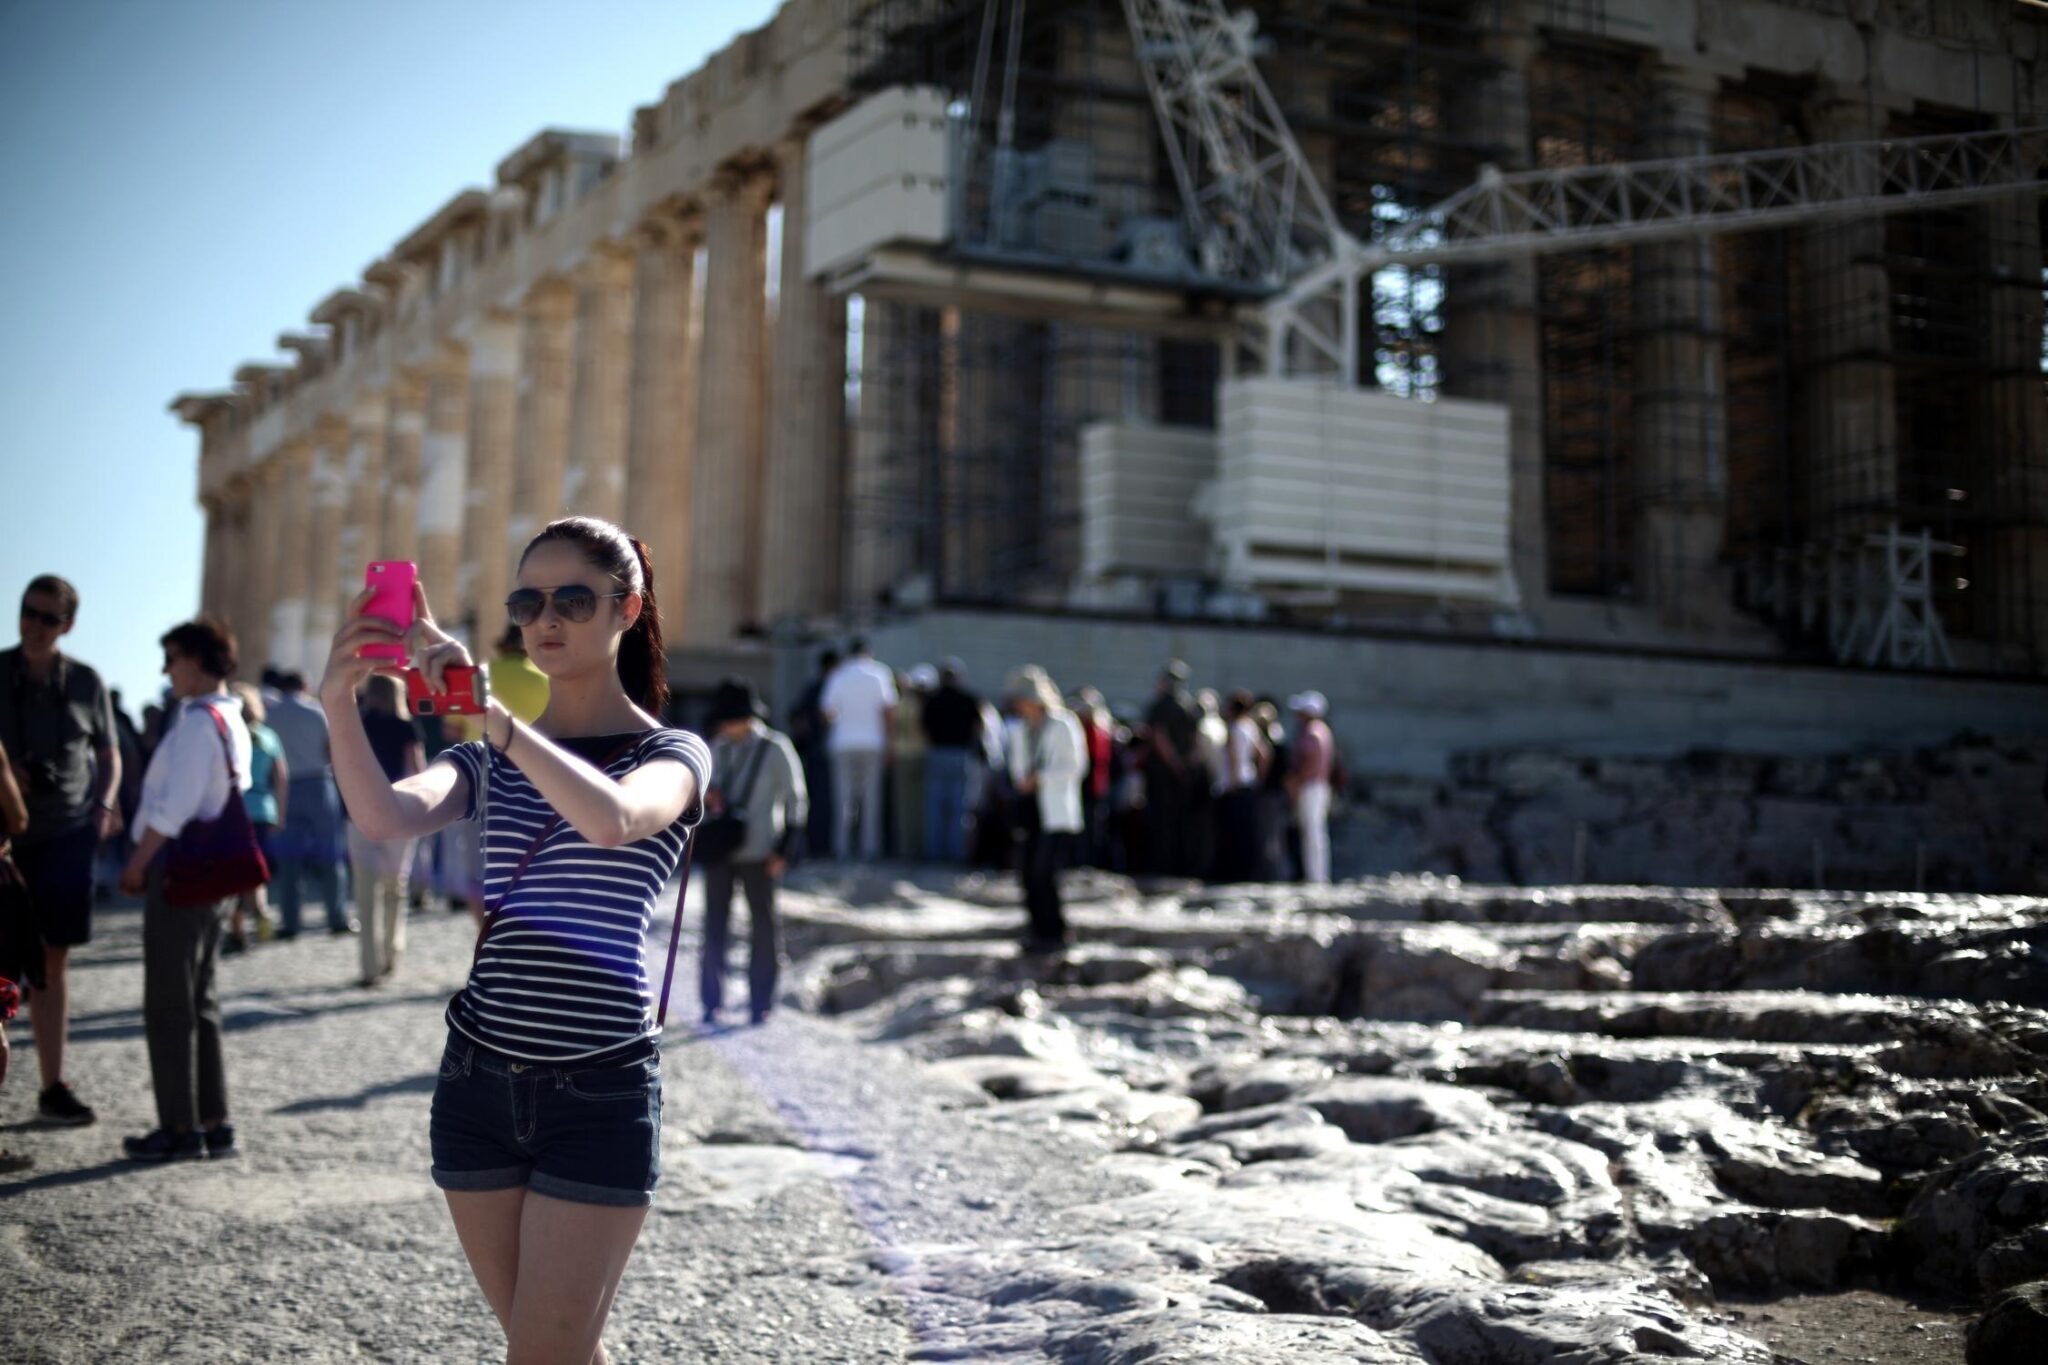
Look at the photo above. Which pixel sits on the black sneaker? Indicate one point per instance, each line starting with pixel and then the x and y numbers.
pixel 233 944
pixel 12 1162
pixel 163 1145
pixel 220 1141
pixel 58 1105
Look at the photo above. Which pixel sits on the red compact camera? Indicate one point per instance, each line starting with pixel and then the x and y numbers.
pixel 466 690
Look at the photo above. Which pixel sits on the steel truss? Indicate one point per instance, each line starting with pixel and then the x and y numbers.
pixel 1259 216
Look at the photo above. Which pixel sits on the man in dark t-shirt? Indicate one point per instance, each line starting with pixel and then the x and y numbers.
pixel 1171 775
pixel 952 732
pixel 57 724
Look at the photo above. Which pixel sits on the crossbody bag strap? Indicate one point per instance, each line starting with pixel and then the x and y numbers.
pixel 227 745
pixel 753 771
pixel 675 928
pixel 493 913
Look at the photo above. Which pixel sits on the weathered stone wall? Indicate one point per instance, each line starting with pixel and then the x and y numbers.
pixel 1969 816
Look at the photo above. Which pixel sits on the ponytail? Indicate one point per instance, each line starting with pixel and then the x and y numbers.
pixel 643 659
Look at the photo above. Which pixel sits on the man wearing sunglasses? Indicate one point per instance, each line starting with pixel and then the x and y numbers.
pixel 57 724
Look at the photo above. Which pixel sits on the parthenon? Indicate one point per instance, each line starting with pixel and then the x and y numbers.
pixel 1690 442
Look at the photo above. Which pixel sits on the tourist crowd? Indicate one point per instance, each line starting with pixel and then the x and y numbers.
pixel 917 765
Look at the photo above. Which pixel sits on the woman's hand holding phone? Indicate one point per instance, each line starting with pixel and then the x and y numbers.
pixel 347 667
pixel 433 650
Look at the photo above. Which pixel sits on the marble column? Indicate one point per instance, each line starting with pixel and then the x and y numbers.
pixel 594 483
pixel 485 576
pixel 404 435
pixel 664 431
pixel 547 386
pixel 291 569
pixel 234 553
pixel 1492 341
pixel 725 503
pixel 212 555
pixel 895 430
pixel 2012 568
pixel 444 478
pixel 328 485
pixel 802 481
pixel 362 523
pixel 1847 404
pixel 1678 405
pixel 259 578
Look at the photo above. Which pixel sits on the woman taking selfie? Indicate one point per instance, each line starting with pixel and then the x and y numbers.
pixel 546 1118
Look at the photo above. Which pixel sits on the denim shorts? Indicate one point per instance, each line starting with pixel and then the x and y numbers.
pixel 588 1132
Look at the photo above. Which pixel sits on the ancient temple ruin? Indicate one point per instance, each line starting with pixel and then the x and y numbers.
pixel 897 311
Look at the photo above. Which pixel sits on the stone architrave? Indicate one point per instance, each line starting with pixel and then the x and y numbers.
pixel 803 474
pixel 547 385
pixel 444 474
pixel 594 482
pixel 1492 339
pixel 664 435
pixel 403 438
pixel 290 568
pixel 362 522
pixel 725 488
pixel 1679 404
pixel 1847 409
pixel 485 575
pixel 327 481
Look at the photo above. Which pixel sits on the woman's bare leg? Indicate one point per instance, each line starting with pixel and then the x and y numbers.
pixel 487 1225
pixel 571 1257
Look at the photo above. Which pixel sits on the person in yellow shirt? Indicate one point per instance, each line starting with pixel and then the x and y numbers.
pixel 515 682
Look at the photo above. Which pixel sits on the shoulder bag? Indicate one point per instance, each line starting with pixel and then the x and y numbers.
pixel 211 860
pixel 721 835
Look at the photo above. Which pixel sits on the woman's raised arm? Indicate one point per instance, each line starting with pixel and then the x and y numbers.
pixel 410 808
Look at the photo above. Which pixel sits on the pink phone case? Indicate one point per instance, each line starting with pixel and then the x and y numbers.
pixel 393 580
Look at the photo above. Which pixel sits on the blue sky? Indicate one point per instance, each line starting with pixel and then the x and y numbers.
pixel 185 179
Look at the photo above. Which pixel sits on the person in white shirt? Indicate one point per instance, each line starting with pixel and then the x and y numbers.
pixel 1047 760
pixel 200 765
pixel 859 703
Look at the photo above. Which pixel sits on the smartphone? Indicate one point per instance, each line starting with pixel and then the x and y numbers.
pixel 466 689
pixel 392 581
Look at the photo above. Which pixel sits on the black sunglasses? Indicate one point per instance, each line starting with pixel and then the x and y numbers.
pixel 48 618
pixel 574 603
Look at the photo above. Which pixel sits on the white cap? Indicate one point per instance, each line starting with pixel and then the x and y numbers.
pixel 1309 703
pixel 924 677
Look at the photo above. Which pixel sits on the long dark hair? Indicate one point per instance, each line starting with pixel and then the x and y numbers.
pixel 643 662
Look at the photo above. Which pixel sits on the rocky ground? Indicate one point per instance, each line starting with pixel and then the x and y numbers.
pixel 1392 1121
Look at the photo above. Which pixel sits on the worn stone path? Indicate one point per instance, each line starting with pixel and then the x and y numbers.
pixel 791 1155
pixel 1397 1121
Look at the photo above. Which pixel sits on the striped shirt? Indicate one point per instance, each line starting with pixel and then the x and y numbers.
pixel 563 975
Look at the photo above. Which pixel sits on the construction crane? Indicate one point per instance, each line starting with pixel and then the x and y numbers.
pixel 1258 214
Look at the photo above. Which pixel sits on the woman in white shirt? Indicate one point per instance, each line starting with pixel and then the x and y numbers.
pixel 201 763
pixel 1047 759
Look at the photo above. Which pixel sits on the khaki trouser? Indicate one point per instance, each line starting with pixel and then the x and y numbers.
pixel 379 870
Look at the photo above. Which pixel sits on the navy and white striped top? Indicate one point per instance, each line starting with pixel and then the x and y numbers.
pixel 563 974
